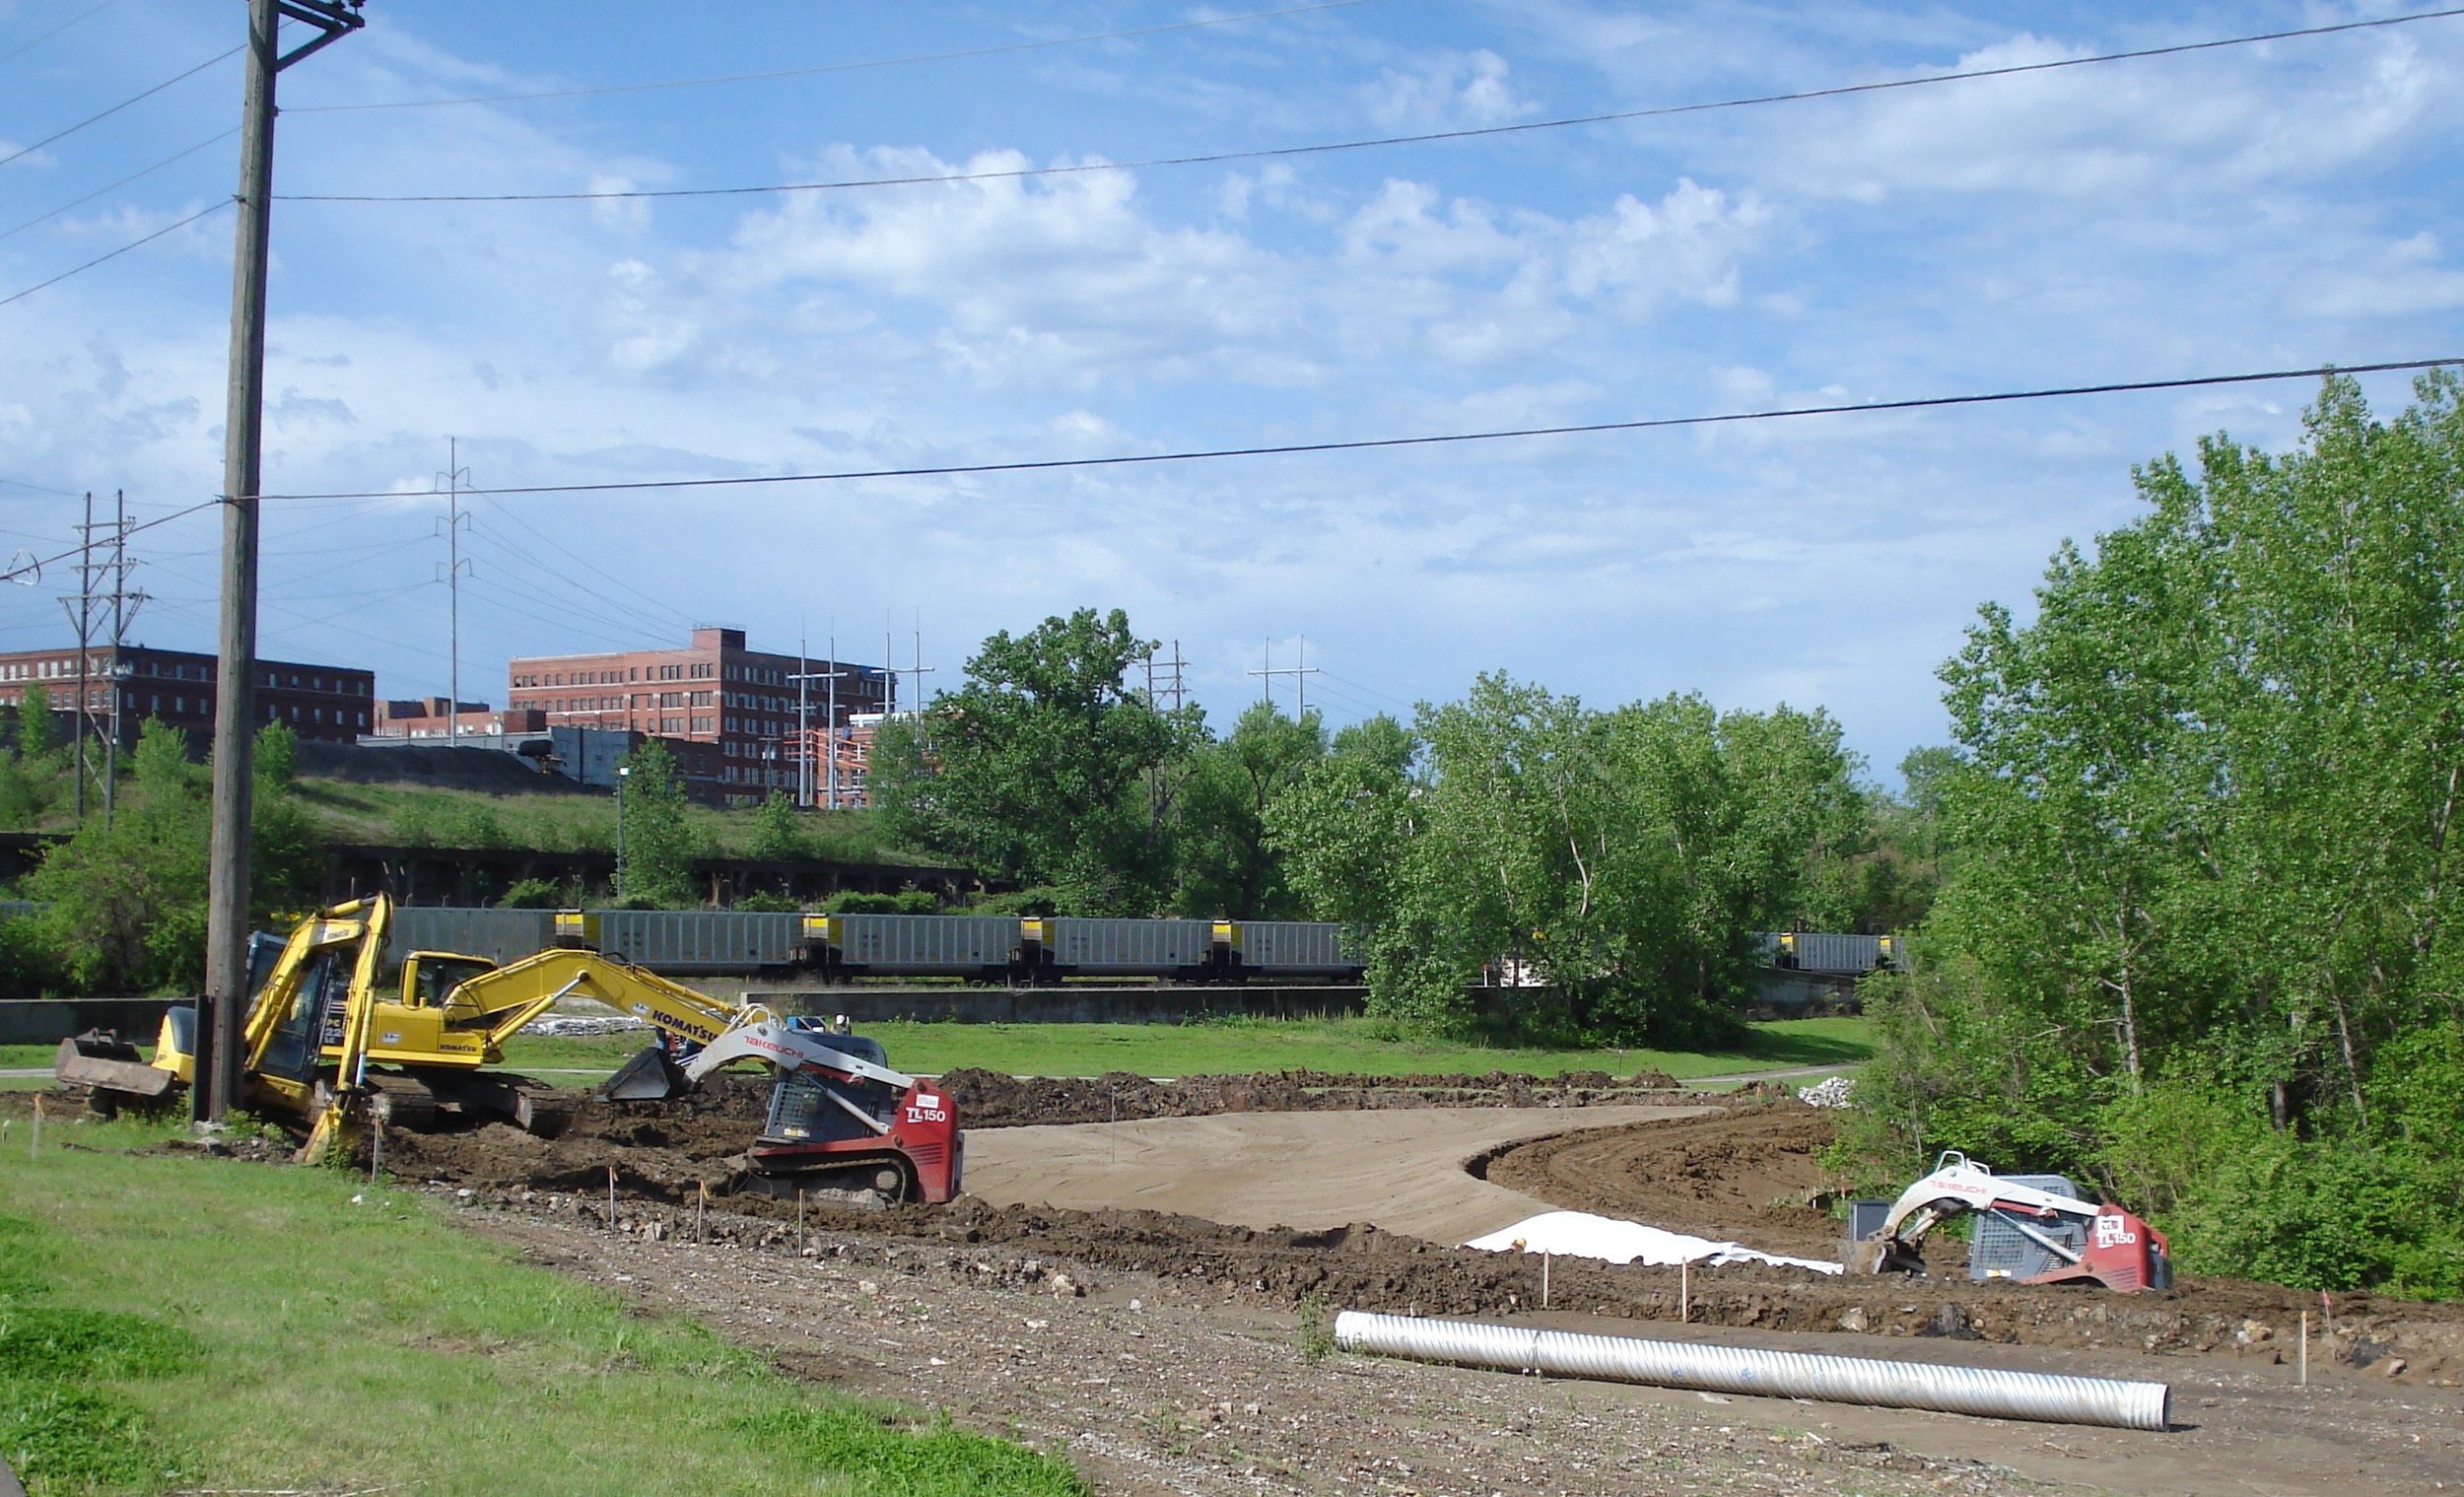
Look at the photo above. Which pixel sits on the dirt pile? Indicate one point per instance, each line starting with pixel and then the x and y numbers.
pixel 1754 1173
pixel 990 1100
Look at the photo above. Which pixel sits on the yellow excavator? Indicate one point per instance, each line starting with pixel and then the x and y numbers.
pixel 319 1027
pixel 325 1045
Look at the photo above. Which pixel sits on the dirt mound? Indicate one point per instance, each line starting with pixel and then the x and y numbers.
pixel 990 1100
pixel 1745 1173
pixel 1754 1174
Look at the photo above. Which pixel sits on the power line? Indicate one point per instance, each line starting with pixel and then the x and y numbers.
pixel 1213 158
pixel 123 182
pixel 833 67
pixel 18 483
pixel 20 52
pixel 1370 443
pixel 36 565
pixel 115 108
pixel 116 253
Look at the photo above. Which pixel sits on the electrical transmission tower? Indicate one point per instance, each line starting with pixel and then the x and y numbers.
pixel 455 568
pixel 83 609
pixel 1163 679
pixel 1300 674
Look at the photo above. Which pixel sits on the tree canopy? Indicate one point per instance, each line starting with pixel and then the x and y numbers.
pixel 2197 940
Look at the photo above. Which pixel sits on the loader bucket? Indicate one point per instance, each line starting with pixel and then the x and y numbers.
pixel 647 1078
pixel 100 1059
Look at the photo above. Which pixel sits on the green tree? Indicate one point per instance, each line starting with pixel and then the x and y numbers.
pixel 127 901
pixel 1044 766
pixel 658 838
pixel 286 855
pixel 1341 827
pixel 1624 858
pixel 1229 866
pixel 778 830
pixel 30 773
pixel 38 733
pixel 2203 869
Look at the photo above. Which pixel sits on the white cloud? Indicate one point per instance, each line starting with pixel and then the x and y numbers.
pixel 1466 89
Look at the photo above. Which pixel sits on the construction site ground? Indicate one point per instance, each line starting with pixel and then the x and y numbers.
pixel 1141 1275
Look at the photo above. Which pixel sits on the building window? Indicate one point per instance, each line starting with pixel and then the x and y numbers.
pixel 701 699
pixel 702 725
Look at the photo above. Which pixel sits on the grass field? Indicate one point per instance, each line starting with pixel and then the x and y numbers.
pixel 1235 1046
pixel 185 1324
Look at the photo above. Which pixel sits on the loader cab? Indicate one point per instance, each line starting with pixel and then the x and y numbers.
pixel 811 1108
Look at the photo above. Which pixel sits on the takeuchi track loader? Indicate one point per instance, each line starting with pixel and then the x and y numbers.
pixel 324 1045
pixel 2074 1242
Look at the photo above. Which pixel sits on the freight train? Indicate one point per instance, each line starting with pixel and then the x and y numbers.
pixel 981 948
pixel 831 948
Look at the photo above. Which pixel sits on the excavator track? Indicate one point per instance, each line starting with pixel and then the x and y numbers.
pixel 430 1101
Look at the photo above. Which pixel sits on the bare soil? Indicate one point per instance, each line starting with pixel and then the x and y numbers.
pixel 1160 1334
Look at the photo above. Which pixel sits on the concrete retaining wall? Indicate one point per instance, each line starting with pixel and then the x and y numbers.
pixel 1078 1004
pixel 49 1021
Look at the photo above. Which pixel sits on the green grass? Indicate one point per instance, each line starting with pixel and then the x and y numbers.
pixel 186 1323
pixel 427 816
pixel 1236 1046
pixel 20 1056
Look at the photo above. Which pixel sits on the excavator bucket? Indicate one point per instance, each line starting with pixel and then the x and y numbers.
pixel 649 1076
pixel 100 1059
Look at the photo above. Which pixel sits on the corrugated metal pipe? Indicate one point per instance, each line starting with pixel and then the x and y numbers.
pixel 1986 1391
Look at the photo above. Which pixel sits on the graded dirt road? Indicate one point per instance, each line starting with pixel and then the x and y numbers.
pixel 1402 1171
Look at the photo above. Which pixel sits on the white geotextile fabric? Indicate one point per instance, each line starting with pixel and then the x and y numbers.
pixel 1580 1234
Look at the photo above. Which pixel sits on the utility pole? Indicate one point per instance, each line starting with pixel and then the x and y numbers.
pixel 1302 671
pixel 804 726
pixel 919 671
pixel 244 430
pixel 804 676
pixel 82 615
pixel 454 476
pixel 124 605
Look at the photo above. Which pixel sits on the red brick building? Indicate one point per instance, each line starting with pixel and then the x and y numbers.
pixel 325 703
pixel 737 706
pixel 425 717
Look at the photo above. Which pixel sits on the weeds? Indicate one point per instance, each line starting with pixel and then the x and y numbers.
pixel 1316 1331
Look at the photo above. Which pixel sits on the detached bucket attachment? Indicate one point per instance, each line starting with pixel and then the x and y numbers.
pixel 647 1078
pixel 100 1059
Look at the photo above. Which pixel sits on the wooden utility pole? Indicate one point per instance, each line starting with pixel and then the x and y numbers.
pixel 235 685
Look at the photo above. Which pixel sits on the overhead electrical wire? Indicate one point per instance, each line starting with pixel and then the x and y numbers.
pixel 123 182
pixel 833 67
pixel 1372 443
pixel 24 47
pixel 640 598
pixel 18 483
pixel 1478 132
pixel 1210 158
pixel 114 254
pixel 36 564
pixel 64 134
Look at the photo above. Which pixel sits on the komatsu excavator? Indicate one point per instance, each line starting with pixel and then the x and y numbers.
pixel 317 1021
pixel 325 1045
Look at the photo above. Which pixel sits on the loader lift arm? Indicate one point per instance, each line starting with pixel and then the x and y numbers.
pixel 2121 1252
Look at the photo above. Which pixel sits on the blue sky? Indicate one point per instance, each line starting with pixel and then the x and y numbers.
pixel 2270 206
